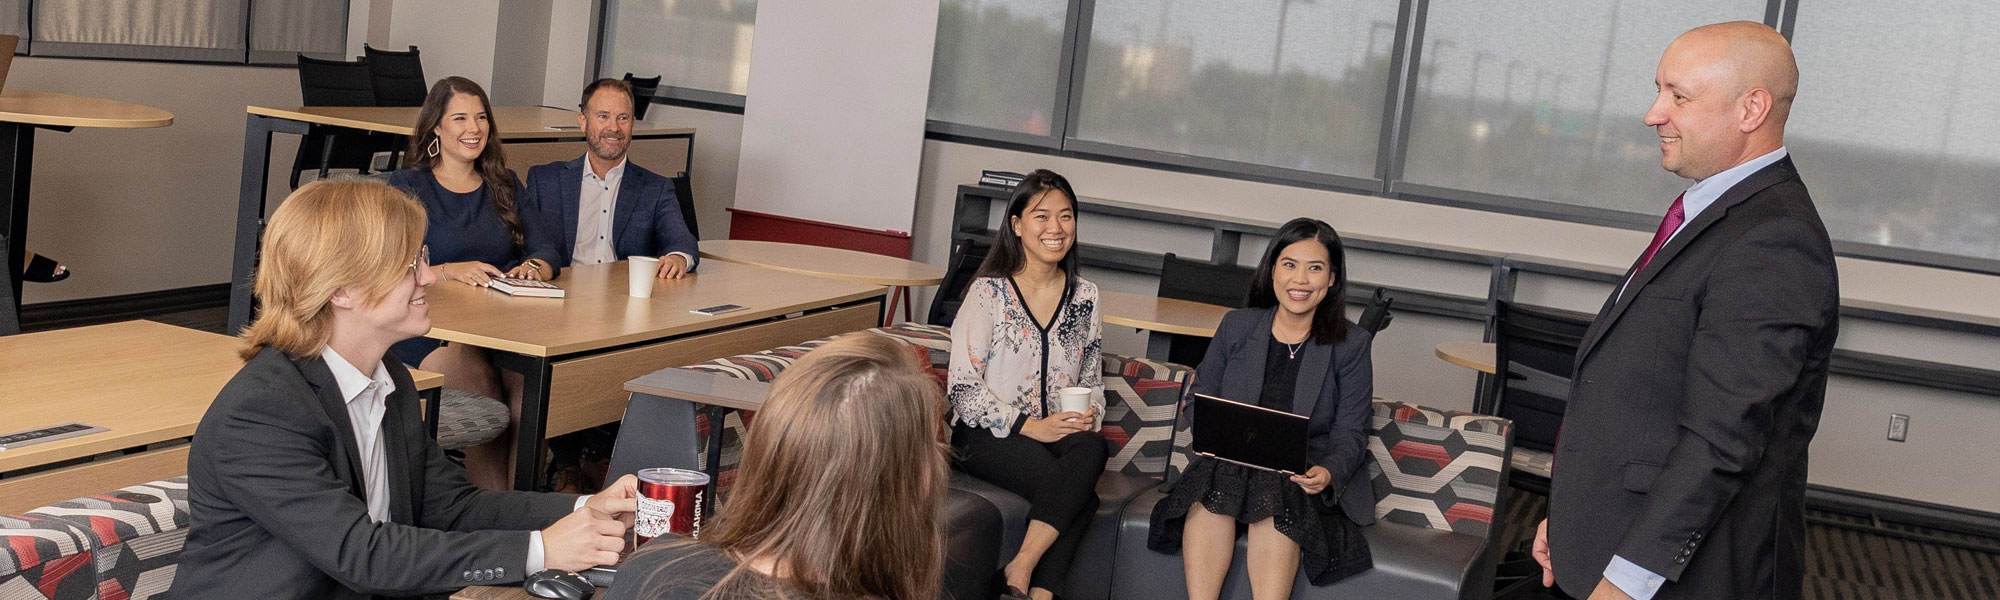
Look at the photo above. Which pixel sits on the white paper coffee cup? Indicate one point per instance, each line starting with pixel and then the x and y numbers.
pixel 639 282
pixel 1074 399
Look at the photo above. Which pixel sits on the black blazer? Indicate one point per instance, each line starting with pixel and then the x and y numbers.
pixel 1696 394
pixel 646 220
pixel 274 488
pixel 1335 388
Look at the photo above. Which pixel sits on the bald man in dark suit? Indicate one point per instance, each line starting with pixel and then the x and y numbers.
pixel 1680 471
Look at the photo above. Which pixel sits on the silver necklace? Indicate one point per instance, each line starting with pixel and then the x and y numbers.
pixel 1292 350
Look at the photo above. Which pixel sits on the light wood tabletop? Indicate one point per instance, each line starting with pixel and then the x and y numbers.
pixel 1477 356
pixel 64 110
pixel 598 313
pixel 143 381
pixel 1164 315
pixel 514 121
pixel 838 263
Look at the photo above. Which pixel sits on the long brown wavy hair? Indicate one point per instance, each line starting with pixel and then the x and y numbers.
pixel 842 478
pixel 492 162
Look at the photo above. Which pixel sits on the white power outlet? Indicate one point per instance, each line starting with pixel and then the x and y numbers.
pixel 1899 427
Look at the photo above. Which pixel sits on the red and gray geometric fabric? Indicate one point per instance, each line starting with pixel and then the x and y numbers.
pixel 114 546
pixel 1140 397
pixel 1437 469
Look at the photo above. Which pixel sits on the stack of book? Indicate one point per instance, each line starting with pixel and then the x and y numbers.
pixel 525 287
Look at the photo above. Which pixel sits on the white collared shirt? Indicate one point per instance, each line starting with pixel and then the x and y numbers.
pixel 367 398
pixel 598 198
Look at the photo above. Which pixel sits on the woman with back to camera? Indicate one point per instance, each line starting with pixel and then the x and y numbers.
pixel 1291 349
pixel 1029 327
pixel 456 168
pixel 837 496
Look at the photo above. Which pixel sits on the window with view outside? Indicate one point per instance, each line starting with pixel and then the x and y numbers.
pixel 696 44
pixel 998 64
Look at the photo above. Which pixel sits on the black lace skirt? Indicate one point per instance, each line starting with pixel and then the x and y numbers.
pixel 1330 545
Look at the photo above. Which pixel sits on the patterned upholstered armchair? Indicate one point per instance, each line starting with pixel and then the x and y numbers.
pixel 116 545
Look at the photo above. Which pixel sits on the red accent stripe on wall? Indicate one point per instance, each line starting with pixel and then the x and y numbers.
pixel 751 225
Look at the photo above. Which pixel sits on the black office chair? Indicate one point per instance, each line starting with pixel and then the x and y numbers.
pixel 966 255
pixel 684 191
pixel 1204 282
pixel 643 89
pixel 1534 359
pixel 1376 317
pixel 398 77
pixel 335 83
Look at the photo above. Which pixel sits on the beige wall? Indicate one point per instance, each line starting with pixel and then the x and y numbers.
pixel 138 210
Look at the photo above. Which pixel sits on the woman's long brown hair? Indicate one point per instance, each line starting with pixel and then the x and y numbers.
pixel 492 162
pixel 842 477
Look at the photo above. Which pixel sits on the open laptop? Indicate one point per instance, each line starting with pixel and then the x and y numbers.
pixel 1249 435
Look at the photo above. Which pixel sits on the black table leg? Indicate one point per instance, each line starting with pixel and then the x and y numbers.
pixel 250 200
pixel 18 147
pixel 530 431
pixel 432 397
pixel 716 418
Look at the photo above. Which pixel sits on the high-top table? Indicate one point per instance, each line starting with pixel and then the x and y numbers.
pixel 1162 318
pixel 576 353
pixel 146 384
pixel 518 124
pixel 23 111
pixel 837 263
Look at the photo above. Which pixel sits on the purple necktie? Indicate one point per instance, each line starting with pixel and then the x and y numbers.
pixel 1675 215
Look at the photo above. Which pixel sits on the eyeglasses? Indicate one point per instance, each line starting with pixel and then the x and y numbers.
pixel 423 259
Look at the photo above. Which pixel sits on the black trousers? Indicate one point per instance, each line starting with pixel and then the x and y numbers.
pixel 1059 480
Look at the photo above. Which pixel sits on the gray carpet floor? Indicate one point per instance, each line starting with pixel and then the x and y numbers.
pixel 1848 557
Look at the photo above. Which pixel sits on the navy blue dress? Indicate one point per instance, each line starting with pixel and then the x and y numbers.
pixel 462 227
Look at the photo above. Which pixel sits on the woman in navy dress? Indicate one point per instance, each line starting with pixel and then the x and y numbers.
pixel 456 168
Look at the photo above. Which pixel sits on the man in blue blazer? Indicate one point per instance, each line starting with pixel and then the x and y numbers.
pixel 602 208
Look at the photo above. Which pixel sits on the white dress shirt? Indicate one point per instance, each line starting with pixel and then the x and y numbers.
pixel 367 398
pixel 597 201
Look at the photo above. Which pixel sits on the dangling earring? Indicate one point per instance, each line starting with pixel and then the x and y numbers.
pixel 432 150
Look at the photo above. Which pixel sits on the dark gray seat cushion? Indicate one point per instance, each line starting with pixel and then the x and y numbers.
pixel 1090 577
pixel 1410 562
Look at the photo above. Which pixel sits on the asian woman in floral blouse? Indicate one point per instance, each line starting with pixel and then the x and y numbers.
pixel 1029 327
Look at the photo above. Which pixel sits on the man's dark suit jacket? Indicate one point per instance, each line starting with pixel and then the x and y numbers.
pixel 1696 393
pixel 1335 388
pixel 274 488
pixel 645 222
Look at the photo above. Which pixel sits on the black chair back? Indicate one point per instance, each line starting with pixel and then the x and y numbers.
pixel 643 89
pixel 1534 354
pixel 1204 282
pixel 335 83
pixel 398 77
pixel 684 191
pixel 966 254
pixel 1376 317
pixel 655 432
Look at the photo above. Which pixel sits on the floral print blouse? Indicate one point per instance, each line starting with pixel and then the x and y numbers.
pixel 998 371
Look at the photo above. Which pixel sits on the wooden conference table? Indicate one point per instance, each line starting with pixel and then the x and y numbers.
pixel 143 382
pixel 837 263
pixel 1162 318
pixel 576 353
pixel 519 124
pixel 23 111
